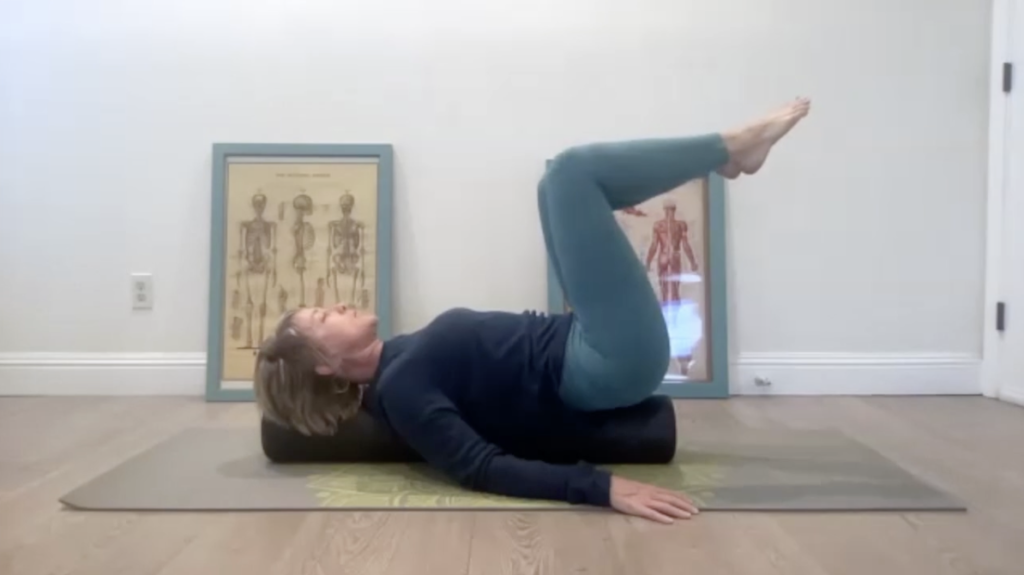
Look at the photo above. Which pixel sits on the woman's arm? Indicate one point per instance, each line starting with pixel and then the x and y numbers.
pixel 436 430
pixel 432 426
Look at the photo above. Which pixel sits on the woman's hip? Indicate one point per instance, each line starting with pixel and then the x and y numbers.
pixel 621 372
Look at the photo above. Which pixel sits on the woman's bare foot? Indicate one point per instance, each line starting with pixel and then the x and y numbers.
pixel 749 146
pixel 731 170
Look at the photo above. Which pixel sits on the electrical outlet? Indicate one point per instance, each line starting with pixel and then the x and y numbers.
pixel 142 291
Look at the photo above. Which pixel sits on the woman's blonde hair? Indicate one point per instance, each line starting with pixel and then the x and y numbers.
pixel 291 393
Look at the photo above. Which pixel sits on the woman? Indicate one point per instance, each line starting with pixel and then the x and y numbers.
pixel 471 386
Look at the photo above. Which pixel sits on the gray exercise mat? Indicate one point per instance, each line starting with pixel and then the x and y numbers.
pixel 752 470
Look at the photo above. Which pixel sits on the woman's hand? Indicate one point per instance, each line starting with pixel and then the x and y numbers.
pixel 651 502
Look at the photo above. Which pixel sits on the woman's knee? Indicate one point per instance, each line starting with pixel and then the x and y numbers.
pixel 567 171
pixel 571 159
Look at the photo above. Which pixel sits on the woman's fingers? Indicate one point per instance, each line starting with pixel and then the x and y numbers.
pixel 669 509
pixel 650 502
pixel 647 512
pixel 677 495
pixel 678 501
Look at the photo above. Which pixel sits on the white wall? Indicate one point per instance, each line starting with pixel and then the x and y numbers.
pixel 1003 376
pixel 861 240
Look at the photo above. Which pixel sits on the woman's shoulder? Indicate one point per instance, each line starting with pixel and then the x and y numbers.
pixel 410 384
pixel 446 329
pixel 456 314
pixel 409 360
pixel 464 316
pixel 418 363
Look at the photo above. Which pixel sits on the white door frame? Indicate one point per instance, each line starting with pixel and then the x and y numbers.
pixel 998 161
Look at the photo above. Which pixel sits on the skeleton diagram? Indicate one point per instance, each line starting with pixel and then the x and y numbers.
pixel 236 328
pixel 236 296
pixel 668 242
pixel 282 294
pixel 237 323
pixel 320 292
pixel 282 300
pixel 257 256
pixel 303 237
pixel 345 254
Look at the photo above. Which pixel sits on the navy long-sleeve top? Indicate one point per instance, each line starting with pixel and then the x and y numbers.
pixel 472 389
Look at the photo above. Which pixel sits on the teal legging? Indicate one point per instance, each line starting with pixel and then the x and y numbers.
pixel 618 348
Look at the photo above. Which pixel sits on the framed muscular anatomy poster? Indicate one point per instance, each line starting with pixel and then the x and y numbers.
pixel 679 237
pixel 293 225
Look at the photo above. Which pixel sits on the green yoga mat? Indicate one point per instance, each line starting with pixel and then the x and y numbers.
pixel 224 469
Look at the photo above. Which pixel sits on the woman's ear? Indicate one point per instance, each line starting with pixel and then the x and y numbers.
pixel 324 370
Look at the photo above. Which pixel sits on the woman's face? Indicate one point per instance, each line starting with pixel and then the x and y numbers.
pixel 340 332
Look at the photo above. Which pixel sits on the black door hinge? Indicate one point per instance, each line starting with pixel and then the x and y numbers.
pixel 1000 316
pixel 1007 77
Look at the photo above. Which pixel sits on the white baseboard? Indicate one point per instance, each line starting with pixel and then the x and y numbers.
pixel 103 374
pixel 1015 396
pixel 789 374
pixel 856 374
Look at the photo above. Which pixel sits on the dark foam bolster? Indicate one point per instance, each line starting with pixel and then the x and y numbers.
pixel 643 433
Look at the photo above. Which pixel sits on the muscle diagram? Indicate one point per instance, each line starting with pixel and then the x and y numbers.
pixel 669 243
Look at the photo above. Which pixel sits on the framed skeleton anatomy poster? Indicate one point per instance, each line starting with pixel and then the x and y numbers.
pixel 679 237
pixel 293 225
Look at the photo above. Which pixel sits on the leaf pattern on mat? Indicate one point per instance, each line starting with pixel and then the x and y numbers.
pixel 392 485
pixel 400 485
pixel 696 478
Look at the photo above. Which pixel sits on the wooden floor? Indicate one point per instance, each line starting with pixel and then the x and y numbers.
pixel 971 446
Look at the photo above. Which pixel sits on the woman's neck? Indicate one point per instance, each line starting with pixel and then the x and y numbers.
pixel 363 367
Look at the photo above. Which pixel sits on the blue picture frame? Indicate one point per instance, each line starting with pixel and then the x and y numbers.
pixel 381 155
pixel 716 315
